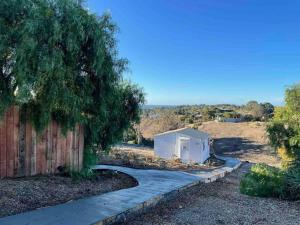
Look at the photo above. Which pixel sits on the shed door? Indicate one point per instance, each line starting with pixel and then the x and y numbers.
pixel 184 147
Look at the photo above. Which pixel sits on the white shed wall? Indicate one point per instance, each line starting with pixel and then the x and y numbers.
pixel 206 152
pixel 196 150
pixel 165 146
pixel 168 147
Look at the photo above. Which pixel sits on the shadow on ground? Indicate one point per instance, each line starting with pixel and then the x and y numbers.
pixel 236 146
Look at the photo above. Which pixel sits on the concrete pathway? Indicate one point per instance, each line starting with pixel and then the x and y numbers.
pixel 154 186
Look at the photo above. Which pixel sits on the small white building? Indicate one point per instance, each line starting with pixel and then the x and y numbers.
pixel 190 145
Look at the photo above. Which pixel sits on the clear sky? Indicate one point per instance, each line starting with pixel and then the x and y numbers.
pixel 208 51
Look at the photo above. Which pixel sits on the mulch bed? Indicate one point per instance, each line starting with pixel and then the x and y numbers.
pixel 145 159
pixel 220 203
pixel 23 194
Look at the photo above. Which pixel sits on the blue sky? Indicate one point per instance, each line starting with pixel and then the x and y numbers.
pixel 208 51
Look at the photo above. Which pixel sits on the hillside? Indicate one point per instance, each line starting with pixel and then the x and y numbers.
pixel 254 131
pixel 247 141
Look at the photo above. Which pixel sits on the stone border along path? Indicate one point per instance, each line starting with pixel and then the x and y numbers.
pixel 154 186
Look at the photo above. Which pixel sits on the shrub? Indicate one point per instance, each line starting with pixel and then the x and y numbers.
pixel 287 157
pixel 284 135
pixel 148 142
pixel 248 118
pixel 284 129
pixel 84 174
pixel 267 181
pixel 262 181
pixel 291 187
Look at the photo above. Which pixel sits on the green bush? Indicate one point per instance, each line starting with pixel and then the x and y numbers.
pixel 267 181
pixel 262 181
pixel 148 142
pixel 284 136
pixel 291 187
pixel 84 174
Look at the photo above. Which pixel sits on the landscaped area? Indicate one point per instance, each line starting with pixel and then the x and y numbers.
pixel 209 135
pixel 24 194
pixel 144 158
pixel 221 203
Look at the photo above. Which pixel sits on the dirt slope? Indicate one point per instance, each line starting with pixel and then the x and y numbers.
pixel 247 141
pixel 254 131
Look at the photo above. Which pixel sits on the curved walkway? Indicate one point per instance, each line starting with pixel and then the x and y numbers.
pixel 154 186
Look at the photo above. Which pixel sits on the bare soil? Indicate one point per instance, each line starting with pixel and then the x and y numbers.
pixel 23 194
pixel 246 141
pixel 221 202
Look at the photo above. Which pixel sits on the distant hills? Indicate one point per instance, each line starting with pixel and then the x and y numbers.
pixel 158 106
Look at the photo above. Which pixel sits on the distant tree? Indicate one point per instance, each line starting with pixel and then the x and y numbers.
pixel 251 104
pixel 208 113
pixel 268 109
pixel 164 120
pixel 227 115
pixel 231 115
pixel 255 109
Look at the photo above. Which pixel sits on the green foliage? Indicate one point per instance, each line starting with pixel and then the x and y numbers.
pixel 292 184
pixel 267 181
pixel 59 61
pixel 268 109
pixel 89 157
pixel 292 98
pixel 262 181
pixel 284 130
pixel 148 142
pixel 284 136
pixel 231 115
pixel 130 135
pixel 84 174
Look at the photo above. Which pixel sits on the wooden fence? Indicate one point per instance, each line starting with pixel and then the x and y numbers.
pixel 24 153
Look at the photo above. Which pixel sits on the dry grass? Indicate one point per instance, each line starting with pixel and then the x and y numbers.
pixel 145 158
pixel 246 141
pixel 254 131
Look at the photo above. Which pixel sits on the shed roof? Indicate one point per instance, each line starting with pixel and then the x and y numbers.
pixel 187 131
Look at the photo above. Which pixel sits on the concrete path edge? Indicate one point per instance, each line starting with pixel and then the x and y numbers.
pixel 155 186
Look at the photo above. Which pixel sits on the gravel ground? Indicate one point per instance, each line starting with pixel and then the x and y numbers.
pixel 24 194
pixel 221 203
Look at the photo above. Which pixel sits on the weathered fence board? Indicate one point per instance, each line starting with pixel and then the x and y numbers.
pixel 23 152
